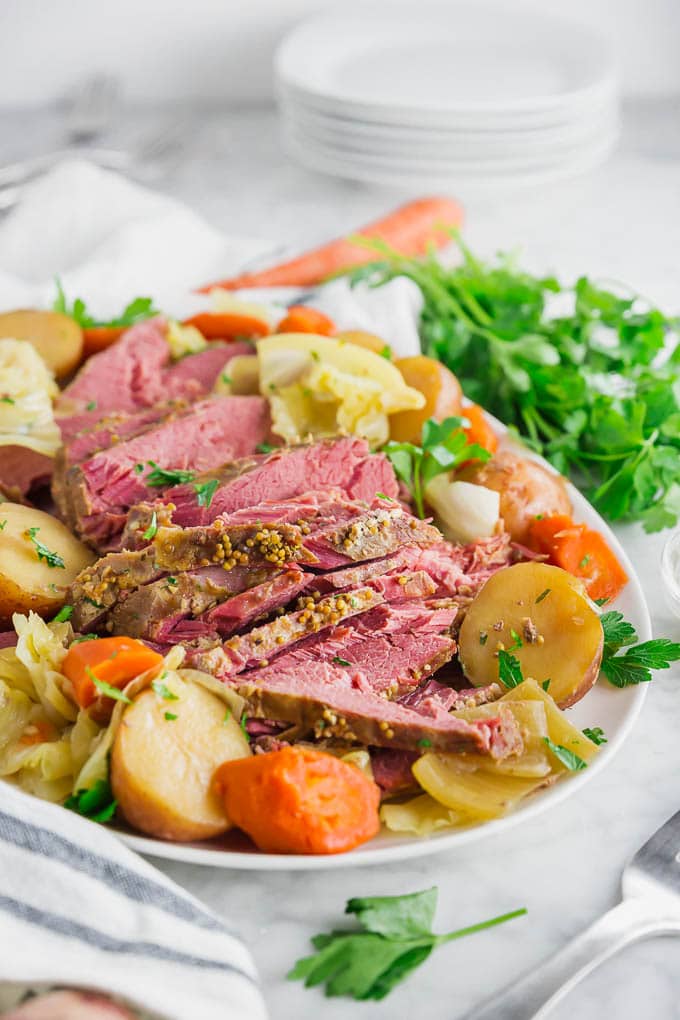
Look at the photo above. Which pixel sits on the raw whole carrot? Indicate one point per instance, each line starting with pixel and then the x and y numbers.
pixel 581 551
pixel 228 325
pixel 115 661
pixel 300 319
pixel 98 338
pixel 298 800
pixel 479 431
pixel 411 229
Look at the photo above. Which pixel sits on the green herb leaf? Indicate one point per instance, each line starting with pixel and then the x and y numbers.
pixel 340 662
pixel 227 716
pixel 544 594
pixel 242 724
pixel 381 495
pixel 96 803
pixel 7 400
pixel 395 937
pixel 160 478
pixel 85 637
pixel 163 691
pixel 509 670
pixel 546 685
pixel 595 734
pixel 136 311
pixel 424 742
pixel 264 448
pixel 153 527
pixel 64 614
pixel 3 524
pixel 107 689
pixel 91 405
pixel 570 760
pixel 169 716
pixel 52 559
pixel 205 491
pixel 633 666
pixel 386 352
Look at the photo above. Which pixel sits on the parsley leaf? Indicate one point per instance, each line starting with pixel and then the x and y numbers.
pixel 159 478
pixel 64 614
pixel 205 491
pixel 169 716
pixel 137 310
pixel 509 670
pixel 153 527
pixel 340 662
pixel 96 803
pixel 570 760
pixel 625 669
pixel 163 691
pixel 444 446
pixel 596 734
pixel 52 559
pixel 395 936
pixel 107 689
pixel 264 448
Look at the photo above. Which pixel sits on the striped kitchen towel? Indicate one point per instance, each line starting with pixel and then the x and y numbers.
pixel 78 909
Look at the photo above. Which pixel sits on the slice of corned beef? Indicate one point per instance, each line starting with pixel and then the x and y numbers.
pixel 392 769
pixel 345 464
pixel 374 533
pixel 242 547
pixel 338 702
pixel 262 643
pixel 432 696
pixel 22 471
pixel 461 570
pixel 240 611
pixel 118 427
pixel 103 488
pixel 136 372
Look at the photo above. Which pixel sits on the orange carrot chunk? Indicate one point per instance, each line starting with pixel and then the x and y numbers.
pixel 227 325
pixel 300 319
pixel 479 431
pixel 113 661
pixel 299 801
pixel 581 551
pixel 411 229
pixel 98 338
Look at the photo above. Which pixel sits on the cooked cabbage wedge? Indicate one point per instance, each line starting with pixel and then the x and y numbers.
pixel 183 340
pixel 420 816
pixel 318 386
pixel 26 390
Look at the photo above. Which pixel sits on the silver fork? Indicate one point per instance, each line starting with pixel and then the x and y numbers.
pixel 650 906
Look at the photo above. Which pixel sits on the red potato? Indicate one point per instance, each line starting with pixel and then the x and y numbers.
pixel 527 490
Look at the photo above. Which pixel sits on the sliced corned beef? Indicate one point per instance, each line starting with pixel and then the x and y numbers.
pixel 103 488
pixel 238 612
pixel 22 471
pixel 344 464
pixel 338 702
pixel 116 428
pixel 432 696
pixel 136 372
pixel 392 769
pixel 461 570
pixel 372 534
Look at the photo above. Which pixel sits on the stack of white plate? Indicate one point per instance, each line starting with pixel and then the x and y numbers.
pixel 446 95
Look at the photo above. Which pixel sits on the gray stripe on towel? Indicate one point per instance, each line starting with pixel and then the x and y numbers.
pixel 92 936
pixel 119 878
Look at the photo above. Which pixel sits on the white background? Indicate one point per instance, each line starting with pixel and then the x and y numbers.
pixel 221 49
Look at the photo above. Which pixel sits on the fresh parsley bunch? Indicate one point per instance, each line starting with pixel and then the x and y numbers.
pixel 595 388
pixel 395 937
pixel 444 447
pixel 137 310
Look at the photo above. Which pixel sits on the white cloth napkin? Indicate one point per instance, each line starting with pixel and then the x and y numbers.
pixel 110 240
pixel 77 908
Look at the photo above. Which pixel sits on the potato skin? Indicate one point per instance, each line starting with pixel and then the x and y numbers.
pixel 526 489
pixel 27 582
pixel 56 337
pixel 161 770
pixel 560 633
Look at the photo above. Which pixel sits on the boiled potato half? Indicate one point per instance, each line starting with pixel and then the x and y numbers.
pixel 540 614
pixel 162 767
pixel 39 558
pixel 56 337
pixel 442 392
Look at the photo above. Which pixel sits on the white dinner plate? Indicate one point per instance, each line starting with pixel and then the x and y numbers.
pixel 433 62
pixel 608 707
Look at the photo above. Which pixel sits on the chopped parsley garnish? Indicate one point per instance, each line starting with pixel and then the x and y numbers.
pixel 394 937
pixel 7 400
pixel 85 637
pixel 153 527
pixel 544 594
pixel 172 581
pixel 205 491
pixel 315 355
pixel 96 803
pixel 264 448
pixel 91 405
pixel 159 478
pixel 386 352
pixel 93 602
pixel 545 685
pixel 584 562
pixel 381 495
pixel 516 640
pixel 3 524
pixel 483 637
pixel 634 666
pixel 169 716
pixel 424 742
pixel 138 468
pixel 52 559
pixel 64 614
pixel 227 716
pixel 242 724
pixel 163 691
pixel 226 379
pixel 340 662
pixel 570 760
pixel 444 446
pixel 136 311
pixel 596 734
pixel 509 670
pixel 107 689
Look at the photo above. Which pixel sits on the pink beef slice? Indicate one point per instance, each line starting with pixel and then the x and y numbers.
pixel 332 700
pixel 102 489
pixel 23 470
pixel 461 570
pixel 345 464
pixel 136 372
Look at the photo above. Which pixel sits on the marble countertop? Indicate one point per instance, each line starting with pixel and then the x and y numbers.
pixel 623 223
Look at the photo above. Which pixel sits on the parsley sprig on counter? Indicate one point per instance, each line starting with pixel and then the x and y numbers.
pixel 443 447
pixel 395 937
pixel 593 385
pixel 136 311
